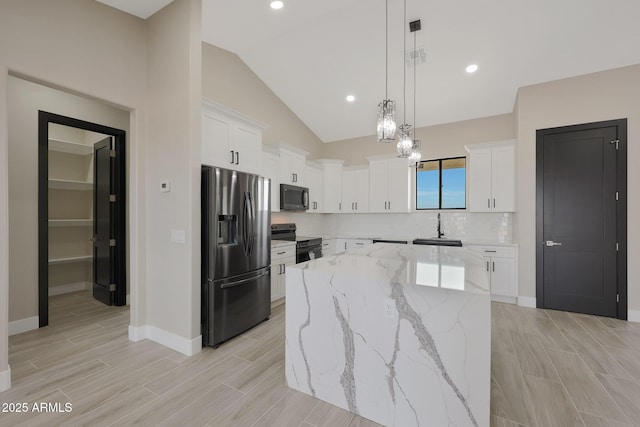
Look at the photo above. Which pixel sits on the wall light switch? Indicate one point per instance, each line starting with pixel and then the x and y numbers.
pixel 165 186
pixel 178 236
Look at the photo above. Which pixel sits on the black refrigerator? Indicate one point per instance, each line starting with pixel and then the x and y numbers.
pixel 236 253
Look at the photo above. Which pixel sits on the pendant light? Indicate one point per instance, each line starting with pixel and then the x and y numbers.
pixel 416 154
pixel 405 143
pixel 386 109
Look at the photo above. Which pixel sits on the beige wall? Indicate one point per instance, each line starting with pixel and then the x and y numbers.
pixel 24 100
pixel 174 96
pixel 613 94
pixel 85 48
pixel 446 140
pixel 228 81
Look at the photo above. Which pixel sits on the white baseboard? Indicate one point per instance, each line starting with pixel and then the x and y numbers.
pixel 24 325
pixel 70 287
pixel 527 302
pixel 5 379
pixel 633 316
pixel 167 339
pixel 501 298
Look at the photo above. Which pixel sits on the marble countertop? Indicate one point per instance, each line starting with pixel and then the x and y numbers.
pixel 451 268
pixel 399 334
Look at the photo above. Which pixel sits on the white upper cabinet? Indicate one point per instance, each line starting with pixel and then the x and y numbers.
pixel 314 182
pixel 492 176
pixel 229 139
pixel 292 165
pixel 389 184
pixel 270 168
pixel 355 190
pixel 332 185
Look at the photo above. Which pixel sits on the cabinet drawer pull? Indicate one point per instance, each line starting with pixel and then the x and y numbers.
pixel 490 251
pixel 280 253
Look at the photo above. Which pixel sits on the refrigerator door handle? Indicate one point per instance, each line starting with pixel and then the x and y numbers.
pixel 243 281
pixel 252 221
pixel 248 224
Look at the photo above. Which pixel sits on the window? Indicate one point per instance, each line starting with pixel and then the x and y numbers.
pixel 441 184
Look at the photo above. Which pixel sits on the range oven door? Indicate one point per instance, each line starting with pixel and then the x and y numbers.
pixel 308 254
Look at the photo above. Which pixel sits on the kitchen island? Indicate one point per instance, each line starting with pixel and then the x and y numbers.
pixel 398 334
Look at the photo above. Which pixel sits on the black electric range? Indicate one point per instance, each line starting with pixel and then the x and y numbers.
pixel 307 248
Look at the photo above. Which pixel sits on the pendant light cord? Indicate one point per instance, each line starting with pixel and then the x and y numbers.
pixel 386 50
pixel 404 68
pixel 414 85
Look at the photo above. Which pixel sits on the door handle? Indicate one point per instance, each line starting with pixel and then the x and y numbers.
pixel 233 156
pixel 552 243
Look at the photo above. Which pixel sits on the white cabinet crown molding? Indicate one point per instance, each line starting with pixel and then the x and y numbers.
pixel 232 114
pixel 270 149
pixel 291 148
pixel 490 144
pixel 329 161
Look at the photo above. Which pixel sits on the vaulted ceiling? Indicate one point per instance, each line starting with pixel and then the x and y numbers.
pixel 312 54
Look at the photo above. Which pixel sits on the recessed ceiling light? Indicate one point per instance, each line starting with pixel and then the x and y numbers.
pixel 472 68
pixel 350 98
pixel 277 4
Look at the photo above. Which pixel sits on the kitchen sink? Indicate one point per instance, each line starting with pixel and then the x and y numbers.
pixel 435 241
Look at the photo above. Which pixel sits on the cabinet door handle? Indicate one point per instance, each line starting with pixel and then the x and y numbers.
pixel 389 204
pixel 356 205
pixel 494 203
pixel 493 266
pixel 489 203
pixel 284 268
pixel 339 206
pixel 232 156
pixel 487 265
pixel 237 157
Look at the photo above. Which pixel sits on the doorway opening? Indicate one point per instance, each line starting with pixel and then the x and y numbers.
pixel 581 218
pixel 81 210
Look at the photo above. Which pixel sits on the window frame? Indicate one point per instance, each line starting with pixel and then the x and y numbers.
pixel 439 208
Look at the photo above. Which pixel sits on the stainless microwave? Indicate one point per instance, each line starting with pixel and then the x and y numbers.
pixel 293 198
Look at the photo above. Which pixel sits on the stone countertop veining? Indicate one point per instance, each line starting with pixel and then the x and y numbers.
pixel 443 267
pixel 399 334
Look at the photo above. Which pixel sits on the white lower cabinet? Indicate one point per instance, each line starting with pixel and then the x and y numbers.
pixel 282 256
pixel 501 263
pixel 328 247
pixel 346 244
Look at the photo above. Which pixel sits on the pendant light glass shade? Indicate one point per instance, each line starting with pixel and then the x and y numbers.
pixel 416 154
pixel 405 143
pixel 386 121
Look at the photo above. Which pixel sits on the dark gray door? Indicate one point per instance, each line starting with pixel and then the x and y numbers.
pixel 578 226
pixel 108 282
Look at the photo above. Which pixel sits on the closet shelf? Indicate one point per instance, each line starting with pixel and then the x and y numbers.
pixel 70 147
pixel 68 260
pixel 82 222
pixel 63 184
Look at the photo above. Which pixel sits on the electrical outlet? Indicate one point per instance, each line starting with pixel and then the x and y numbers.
pixel 389 309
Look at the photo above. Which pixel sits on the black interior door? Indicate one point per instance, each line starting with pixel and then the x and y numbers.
pixel 109 279
pixel 578 219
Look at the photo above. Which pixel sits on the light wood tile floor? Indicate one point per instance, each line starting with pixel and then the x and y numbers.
pixel 549 368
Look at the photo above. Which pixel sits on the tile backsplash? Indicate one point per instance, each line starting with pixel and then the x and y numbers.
pixel 467 226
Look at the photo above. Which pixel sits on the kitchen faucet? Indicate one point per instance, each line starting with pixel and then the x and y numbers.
pixel 440 232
